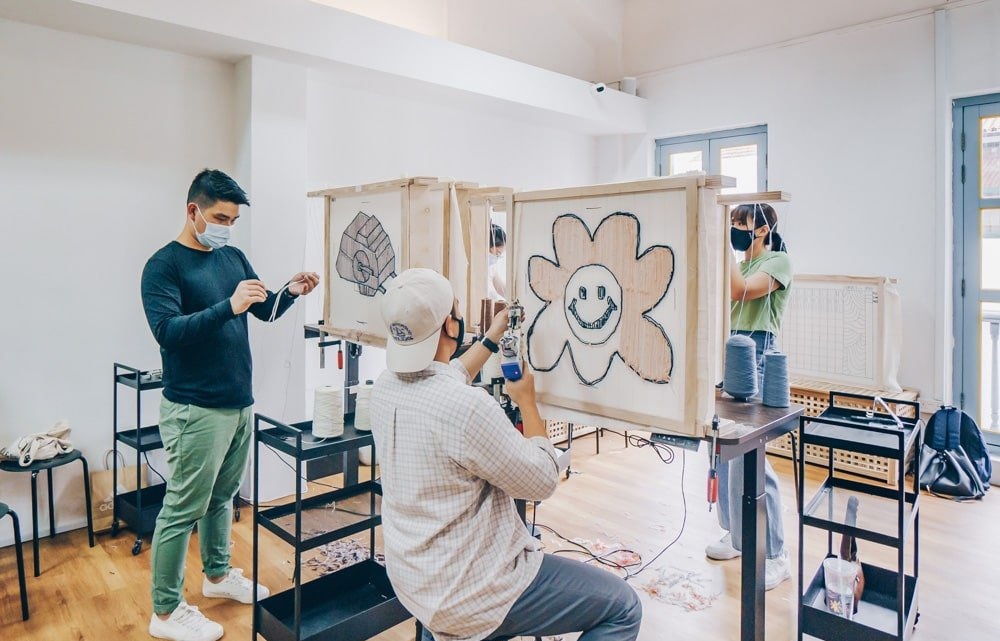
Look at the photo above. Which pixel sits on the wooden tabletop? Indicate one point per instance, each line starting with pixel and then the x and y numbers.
pixel 766 423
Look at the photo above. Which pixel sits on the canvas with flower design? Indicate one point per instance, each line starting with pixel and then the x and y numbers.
pixel 622 293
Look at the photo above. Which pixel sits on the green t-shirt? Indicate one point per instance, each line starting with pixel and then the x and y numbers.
pixel 764 313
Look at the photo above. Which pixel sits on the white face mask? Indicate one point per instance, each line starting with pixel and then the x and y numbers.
pixel 215 236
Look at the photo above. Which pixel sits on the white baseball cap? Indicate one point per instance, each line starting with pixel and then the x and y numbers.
pixel 414 307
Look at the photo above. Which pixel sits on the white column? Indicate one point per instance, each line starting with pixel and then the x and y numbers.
pixel 271 134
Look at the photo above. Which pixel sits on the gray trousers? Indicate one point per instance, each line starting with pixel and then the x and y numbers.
pixel 571 596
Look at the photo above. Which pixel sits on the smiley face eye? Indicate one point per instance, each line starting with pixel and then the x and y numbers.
pixel 600 292
pixel 583 293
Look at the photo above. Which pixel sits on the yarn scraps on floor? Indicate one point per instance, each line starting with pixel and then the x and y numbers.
pixel 338 555
pixel 691 591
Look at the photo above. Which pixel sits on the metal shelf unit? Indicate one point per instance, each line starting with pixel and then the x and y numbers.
pixel 888 610
pixel 140 507
pixel 351 604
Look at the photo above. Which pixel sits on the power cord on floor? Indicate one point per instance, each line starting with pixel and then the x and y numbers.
pixel 666 454
pixel 600 558
pixel 683 520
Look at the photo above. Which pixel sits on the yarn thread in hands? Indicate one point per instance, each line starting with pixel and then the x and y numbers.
pixel 740 380
pixel 777 389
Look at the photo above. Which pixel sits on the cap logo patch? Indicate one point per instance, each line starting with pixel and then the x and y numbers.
pixel 401 333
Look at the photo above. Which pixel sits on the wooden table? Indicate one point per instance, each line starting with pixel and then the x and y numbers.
pixel 767 423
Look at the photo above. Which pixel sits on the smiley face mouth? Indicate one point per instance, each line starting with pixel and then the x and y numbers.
pixel 600 322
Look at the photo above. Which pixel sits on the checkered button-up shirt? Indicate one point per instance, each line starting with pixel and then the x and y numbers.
pixel 456 552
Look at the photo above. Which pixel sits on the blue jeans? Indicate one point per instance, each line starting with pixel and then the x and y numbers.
pixel 731 479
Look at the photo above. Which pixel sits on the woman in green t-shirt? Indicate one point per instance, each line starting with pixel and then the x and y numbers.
pixel 760 285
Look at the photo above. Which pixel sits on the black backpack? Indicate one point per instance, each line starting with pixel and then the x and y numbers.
pixel 954 461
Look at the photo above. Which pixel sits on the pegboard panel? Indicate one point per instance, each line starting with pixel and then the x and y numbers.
pixel 559 431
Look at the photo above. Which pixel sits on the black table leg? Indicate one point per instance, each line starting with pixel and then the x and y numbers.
pixel 86 494
pixel 20 566
pixel 352 461
pixel 34 519
pixel 754 543
pixel 52 509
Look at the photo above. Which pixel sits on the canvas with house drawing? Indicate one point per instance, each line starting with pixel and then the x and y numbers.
pixel 622 290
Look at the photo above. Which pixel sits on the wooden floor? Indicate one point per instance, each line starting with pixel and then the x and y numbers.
pixel 622 495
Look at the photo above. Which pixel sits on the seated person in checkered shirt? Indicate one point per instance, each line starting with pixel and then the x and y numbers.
pixel 458 556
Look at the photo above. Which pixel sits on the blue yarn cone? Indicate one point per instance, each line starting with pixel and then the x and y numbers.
pixel 741 367
pixel 777 392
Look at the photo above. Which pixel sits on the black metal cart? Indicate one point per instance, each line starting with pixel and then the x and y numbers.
pixel 888 607
pixel 351 604
pixel 140 507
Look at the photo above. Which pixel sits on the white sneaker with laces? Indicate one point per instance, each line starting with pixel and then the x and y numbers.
pixel 235 586
pixel 776 570
pixel 185 623
pixel 722 550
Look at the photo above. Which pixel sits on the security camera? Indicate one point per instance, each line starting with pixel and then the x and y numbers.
pixel 600 87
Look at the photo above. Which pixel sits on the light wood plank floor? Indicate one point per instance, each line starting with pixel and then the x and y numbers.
pixel 623 495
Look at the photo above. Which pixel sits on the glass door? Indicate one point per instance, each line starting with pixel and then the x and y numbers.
pixel 977 260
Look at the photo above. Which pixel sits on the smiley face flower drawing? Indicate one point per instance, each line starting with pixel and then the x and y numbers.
pixel 597 293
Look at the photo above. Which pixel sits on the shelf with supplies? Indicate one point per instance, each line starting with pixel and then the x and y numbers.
pixel 147 380
pixel 139 508
pixel 887 607
pixel 814 395
pixel 350 604
pixel 876 619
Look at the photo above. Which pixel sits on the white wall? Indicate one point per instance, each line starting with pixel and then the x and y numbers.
pixel 850 135
pixel 98 144
pixel 429 17
pixel 356 135
pixel 658 34
pixel 580 38
pixel 859 131
pixel 974 61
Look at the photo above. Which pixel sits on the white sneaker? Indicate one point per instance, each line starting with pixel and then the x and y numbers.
pixel 722 550
pixel 235 586
pixel 185 623
pixel 776 571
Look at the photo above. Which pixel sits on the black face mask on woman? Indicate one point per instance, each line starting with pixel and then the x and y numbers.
pixel 740 239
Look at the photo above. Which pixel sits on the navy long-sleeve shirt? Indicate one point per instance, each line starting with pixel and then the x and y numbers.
pixel 204 346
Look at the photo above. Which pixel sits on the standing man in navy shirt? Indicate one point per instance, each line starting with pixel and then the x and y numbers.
pixel 196 292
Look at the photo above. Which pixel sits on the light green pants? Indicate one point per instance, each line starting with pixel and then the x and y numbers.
pixel 207 454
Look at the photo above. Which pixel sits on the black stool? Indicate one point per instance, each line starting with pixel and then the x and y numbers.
pixel 35 468
pixel 4 511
